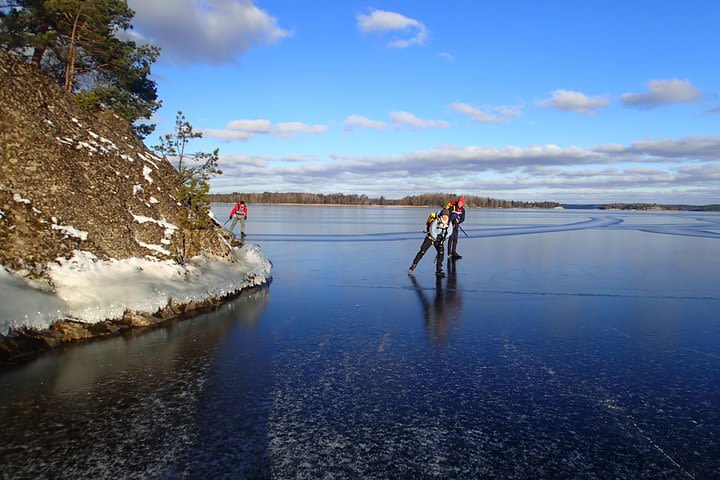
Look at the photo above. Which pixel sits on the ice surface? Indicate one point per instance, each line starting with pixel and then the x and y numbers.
pixel 564 344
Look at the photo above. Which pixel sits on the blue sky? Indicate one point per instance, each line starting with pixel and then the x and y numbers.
pixel 565 101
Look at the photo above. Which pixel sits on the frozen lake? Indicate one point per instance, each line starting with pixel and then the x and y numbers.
pixel 565 344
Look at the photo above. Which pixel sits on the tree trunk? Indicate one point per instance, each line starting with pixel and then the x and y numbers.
pixel 72 55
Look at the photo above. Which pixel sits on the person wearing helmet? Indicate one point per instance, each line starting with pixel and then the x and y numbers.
pixel 439 229
pixel 457 216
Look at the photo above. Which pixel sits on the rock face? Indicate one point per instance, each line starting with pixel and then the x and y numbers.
pixel 69 180
pixel 73 181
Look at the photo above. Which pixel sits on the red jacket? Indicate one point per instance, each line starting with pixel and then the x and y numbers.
pixel 239 208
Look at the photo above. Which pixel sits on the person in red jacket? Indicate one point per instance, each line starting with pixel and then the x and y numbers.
pixel 457 216
pixel 239 213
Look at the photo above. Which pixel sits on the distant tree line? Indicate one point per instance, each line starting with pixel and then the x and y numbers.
pixel 422 200
pixel 656 206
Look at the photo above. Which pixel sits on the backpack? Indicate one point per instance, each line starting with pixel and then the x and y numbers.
pixel 431 218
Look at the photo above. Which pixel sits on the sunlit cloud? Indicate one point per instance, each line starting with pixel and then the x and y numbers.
pixel 383 21
pixel 291 128
pixel 410 120
pixel 570 101
pixel 242 130
pixel 210 31
pixel 358 121
pixel 501 114
pixel 227 135
pixel 661 92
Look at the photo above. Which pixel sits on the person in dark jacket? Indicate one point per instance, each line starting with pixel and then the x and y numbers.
pixel 457 216
pixel 439 229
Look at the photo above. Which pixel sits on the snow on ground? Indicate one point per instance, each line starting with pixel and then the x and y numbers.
pixel 19 199
pixel 169 227
pixel 91 290
pixel 71 231
pixel 146 173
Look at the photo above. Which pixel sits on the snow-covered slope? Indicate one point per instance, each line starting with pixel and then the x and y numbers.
pixel 90 229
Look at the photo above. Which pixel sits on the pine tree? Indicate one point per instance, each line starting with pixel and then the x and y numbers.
pixel 195 169
pixel 78 43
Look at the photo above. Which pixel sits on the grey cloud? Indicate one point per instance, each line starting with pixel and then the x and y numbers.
pixel 234 161
pixel 662 92
pixel 685 149
pixel 211 31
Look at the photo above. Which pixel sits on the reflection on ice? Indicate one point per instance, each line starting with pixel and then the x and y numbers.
pixel 127 404
pixel 445 308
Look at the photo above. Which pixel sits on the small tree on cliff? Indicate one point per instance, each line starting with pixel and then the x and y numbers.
pixel 79 44
pixel 195 169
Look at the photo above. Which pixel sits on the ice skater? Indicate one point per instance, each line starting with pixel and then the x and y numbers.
pixel 438 231
pixel 239 213
pixel 457 216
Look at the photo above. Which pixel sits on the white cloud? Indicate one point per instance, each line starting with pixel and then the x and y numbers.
pixel 398 120
pixel 227 135
pixel 253 126
pixel 502 113
pixel 647 169
pixel 384 21
pixel 509 111
pixel 291 128
pixel 358 121
pixel 242 130
pixel 209 31
pixel 408 119
pixel 570 101
pixel 661 92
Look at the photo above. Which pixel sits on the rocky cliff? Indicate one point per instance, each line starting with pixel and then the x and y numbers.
pixel 71 181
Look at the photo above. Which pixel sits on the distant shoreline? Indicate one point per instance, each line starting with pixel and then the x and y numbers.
pixel 607 207
pixel 326 205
